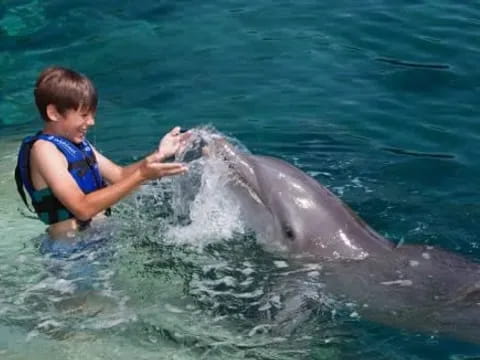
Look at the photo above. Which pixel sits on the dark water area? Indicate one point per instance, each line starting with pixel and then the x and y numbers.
pixel 377 100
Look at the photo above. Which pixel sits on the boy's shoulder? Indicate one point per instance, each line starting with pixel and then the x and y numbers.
pixel 43 144
pixel 44 149
pixel 52 142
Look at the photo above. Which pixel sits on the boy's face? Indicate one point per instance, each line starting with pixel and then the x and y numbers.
pixel 75 124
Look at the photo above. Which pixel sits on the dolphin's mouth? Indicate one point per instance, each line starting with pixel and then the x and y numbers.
pixel 193 148
pixel 206 141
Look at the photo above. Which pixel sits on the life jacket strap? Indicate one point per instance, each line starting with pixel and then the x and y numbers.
pixel 82 166
pixel 21 191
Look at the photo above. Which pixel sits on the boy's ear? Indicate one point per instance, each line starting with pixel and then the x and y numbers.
pixel 53 113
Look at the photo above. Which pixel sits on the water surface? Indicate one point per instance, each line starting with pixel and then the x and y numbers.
pixel 377 100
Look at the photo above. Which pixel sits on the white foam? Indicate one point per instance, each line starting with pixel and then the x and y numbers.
pixel 214 213
pixel 61 285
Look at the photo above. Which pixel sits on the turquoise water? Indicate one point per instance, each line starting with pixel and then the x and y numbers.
pixel 375 99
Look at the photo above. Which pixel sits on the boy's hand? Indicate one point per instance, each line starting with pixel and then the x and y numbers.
pixel 151 168
pixel 171 143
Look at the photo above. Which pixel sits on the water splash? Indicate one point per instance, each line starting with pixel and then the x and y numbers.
pixel 213 213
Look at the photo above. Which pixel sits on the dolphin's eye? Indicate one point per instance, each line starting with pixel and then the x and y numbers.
pixel 289 233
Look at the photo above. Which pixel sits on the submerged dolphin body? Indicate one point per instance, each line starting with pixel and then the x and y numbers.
pixel 413 287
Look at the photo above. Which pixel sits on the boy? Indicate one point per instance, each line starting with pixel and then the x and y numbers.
pixel 63 173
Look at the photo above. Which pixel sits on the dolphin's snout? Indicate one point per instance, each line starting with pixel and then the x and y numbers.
pixel 193 148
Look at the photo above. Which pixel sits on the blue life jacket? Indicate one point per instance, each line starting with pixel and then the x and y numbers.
pixel 82 165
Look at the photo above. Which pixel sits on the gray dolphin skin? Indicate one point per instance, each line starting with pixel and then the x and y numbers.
pixel 304 216
pixel 419 288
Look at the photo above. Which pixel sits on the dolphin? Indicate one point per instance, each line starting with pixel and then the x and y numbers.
pixel 304 216
pixel 415 287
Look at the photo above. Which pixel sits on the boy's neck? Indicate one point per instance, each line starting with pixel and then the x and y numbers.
pixel 50 128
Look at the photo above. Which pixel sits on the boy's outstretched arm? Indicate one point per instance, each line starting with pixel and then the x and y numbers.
pixel 113 173
pixel 53 168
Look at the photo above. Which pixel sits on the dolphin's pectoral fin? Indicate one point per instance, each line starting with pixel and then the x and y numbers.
pixel 304 314
pixel 295 312
pixel 284 314
pixel 292 304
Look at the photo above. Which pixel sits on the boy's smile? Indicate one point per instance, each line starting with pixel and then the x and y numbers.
pixel 75 124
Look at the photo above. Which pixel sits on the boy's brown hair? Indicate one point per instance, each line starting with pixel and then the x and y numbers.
pixel 66 89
